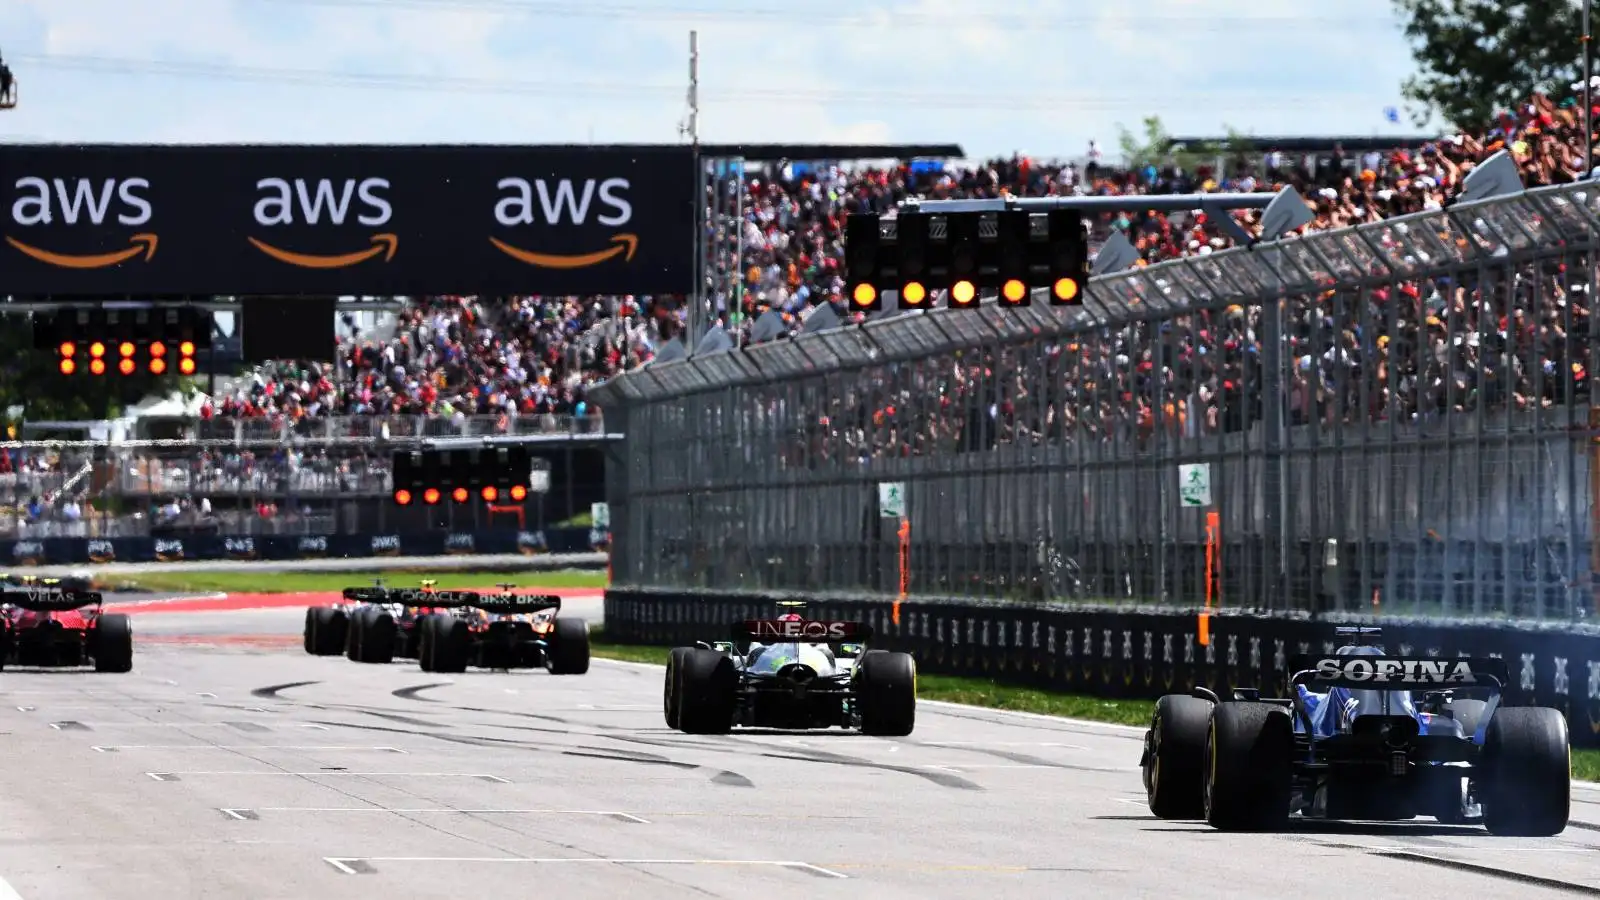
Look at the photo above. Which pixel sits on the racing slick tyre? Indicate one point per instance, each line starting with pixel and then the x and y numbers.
pixel 886 686
pixel 328 631
pixel 1248 773
pixel 424 628
pixel 355 631
pixel 569 647
pixel 708 693
pixel 377 641
pixel 447 645
pixel 311 630
pixel 674 684
pixel 1527 779
pixel 113 643
pixel 1174 757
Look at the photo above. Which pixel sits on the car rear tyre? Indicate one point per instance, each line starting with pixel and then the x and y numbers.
pixel 1174 757
pixel 674 684
pixel 447 645
pixel 886 687
pixel 377 643
pixel 568 653
pixel 708 694
pixel 311 630
pixel 329 630
pixel 1248 774
pixel 424 628
pixel 1527 779
pixel 355 632
pixel 113 643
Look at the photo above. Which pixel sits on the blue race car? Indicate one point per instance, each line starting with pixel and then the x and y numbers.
pixel 1363 736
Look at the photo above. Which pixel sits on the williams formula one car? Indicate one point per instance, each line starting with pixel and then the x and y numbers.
pixel 502 631
pixel 794 674
pixel 375 624
pixel 1366 736
pixel 53 627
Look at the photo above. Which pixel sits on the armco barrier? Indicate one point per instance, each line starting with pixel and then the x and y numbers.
pixel 1134 654
pixel 189 546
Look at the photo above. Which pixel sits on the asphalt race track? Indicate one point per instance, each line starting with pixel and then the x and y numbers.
pixel 230 764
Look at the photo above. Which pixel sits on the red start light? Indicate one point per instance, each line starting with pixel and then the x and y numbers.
pixel 402 497
pixel 68 367
pixel 186 348
pixel 97 366
pixel 518 492
pixel 68 348
pixel 158 350
pixel 430 496
pixel 127 366
pixel 459 495
pixel 186 366
pixel 489 493
pixel 126 348
pixel 158 366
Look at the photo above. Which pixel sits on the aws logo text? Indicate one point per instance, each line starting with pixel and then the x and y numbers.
pixel 308 203
pixel 523 203
pixel 87 202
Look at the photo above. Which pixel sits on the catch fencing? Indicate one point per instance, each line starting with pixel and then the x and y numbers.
pixel 1396 418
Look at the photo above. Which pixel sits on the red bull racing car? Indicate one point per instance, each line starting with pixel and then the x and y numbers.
pixel 791 673
pixel 53 627
pixel 375 624
pixel 503 631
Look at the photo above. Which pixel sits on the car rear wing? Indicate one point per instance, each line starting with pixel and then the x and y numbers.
pixel 51 600
pixel 803 631
pixel 435 599
pixel 517 604
pixel 1386 673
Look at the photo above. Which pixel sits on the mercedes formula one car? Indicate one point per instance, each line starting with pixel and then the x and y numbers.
pixel 375 624
pixel 791 673
pixel 52 627
pixel 503 631
pixel 1363 736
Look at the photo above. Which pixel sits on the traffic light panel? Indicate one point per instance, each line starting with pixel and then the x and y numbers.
pixel 963 234
pixel 911 236
pixel 1068 257
pixel 862 255
pixel 123 341
pixel 1012 235
pixel 434 477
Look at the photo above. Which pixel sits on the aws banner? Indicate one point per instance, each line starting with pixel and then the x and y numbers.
pixel 329 220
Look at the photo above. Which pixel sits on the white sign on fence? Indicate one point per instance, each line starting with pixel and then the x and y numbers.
pixel 892 500
pixel 1194 484
pixel 600 516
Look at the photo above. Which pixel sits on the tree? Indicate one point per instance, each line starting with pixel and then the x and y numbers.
pixel 1155 147
pixel 1476 57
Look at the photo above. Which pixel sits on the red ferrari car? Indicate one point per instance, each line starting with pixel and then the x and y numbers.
pixel 57 628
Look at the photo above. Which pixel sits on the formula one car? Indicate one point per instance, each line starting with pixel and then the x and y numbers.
pixel 376 624
pixel 75 581
pixel 793 674
pixel 503 631
pixel 1364 735
pixel 53 627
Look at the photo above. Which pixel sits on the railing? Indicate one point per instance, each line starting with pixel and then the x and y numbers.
pixel 1393 418
pixel 396 428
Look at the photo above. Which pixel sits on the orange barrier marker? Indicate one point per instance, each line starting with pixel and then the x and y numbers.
pixel 1213 534
pixel 905 568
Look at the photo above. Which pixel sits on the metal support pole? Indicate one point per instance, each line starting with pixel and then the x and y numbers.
pixel 1588 91
pixel 694 320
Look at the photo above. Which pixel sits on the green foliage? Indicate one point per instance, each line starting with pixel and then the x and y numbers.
pixel 1476 57
pixel 29 378
pixel 1154 147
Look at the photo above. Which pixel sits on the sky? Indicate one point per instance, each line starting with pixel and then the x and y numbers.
pixel 1042 77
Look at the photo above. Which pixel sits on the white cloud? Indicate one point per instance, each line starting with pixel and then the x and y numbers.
pixel 1054 73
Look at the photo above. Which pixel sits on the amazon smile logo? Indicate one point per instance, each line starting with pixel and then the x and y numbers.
pixel 310 203
pixel 89 202
pixel 565 203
